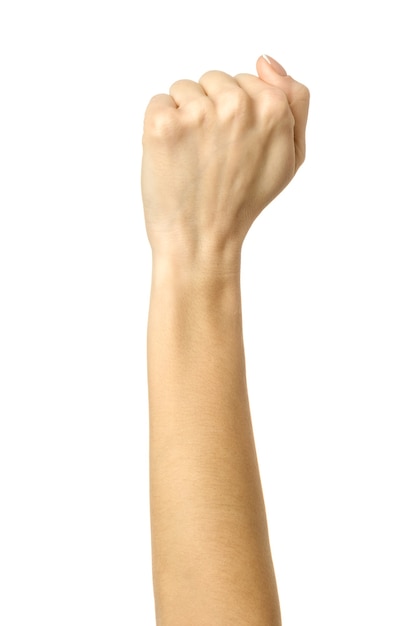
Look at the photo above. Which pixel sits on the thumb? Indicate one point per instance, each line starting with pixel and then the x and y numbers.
pixel 268 69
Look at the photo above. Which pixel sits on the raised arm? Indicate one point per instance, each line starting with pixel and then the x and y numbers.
pixel 215 153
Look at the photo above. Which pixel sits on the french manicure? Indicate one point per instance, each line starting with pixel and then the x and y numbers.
pixel 275 65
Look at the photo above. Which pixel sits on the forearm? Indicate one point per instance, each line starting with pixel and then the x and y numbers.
pixel 211 555
pixel 215 153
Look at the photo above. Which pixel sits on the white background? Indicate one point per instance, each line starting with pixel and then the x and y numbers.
pixel 329 296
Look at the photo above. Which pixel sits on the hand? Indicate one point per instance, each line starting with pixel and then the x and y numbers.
pixel 215 153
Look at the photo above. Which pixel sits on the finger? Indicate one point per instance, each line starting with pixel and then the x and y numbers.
pixel 299 110
pixel 298 98
pixel 270 74
pixel 215 83
pixel 251 84
pixel 159 114
pixel 276 66
pixel 159 102
pixel 184 91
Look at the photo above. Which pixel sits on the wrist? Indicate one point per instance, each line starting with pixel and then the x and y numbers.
pixel 193 293
pixel 200 266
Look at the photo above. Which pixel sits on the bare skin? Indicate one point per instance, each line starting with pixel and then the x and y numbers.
pixel 215 153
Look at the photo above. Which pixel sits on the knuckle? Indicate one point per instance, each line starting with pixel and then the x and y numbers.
pixel 160 124
pixel 178 85
pixel 301 92
pixel 304 92
pixel 205 75
pixel 211 74
pixel 298 91
pixel 274 104
pixel 197 111
pixel 233 104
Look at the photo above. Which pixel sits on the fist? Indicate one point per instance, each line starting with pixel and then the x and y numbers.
pixel 216 152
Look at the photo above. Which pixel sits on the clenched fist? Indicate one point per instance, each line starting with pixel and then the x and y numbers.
pixel 215 153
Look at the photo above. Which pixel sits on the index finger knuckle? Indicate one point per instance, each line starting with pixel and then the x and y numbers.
pixel 273 104
pixel 160 122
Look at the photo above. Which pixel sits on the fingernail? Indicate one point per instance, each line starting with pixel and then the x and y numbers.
pixel 275 65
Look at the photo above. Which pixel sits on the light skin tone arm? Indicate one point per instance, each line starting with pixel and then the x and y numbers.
pixel 215 153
